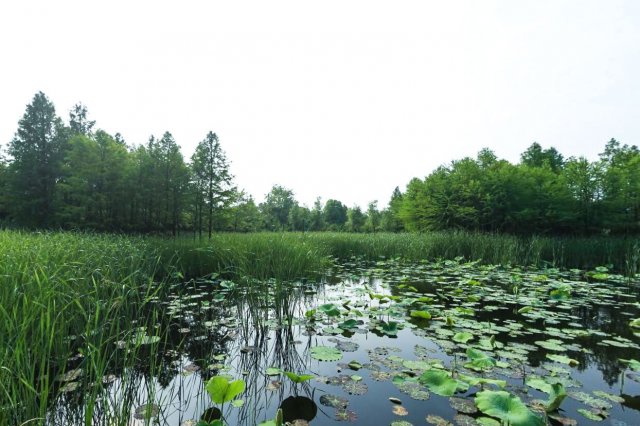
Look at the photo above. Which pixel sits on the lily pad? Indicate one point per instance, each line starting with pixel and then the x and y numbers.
pixel 334 401
pixel 506 407
pixel 325 353
pixel 462 337
pixel 439 382
pixel 420 314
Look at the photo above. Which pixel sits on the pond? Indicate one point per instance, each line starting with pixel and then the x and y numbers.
pixel 384 343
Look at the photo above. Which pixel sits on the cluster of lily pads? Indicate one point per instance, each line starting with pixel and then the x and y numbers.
pixel 449 343
pixel 478 362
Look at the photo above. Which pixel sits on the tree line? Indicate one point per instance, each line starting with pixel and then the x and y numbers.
pixel 543 194
pixel 72 176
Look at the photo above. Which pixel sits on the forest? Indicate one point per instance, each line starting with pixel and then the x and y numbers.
pixel 68 175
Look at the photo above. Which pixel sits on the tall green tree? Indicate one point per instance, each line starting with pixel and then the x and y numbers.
pixel 78 121
pixel 373 217
pixel 174 177
pixel 356 219
pixel 276 207
pixel 36 151
pixel 390 220
pixel 299 218
pixel 335 214
pixel 212 179
pixel 620 165
pixel 92 188
pixel 316 219
pixel 584 182
pixel 535 156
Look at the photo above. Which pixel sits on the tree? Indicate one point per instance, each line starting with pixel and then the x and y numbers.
pixel 276 207
pixel 245 216
pixel 535 156
pixel 211 178
pixel 390 220
pixel 620 165
pixel 174 177
pixel 316 219
pixel 92 184
pixel 584 182
pixel 373 217
pixel 299 218
pixel 36 150
pixel 78 121
pixel 356 219
pixel 335 214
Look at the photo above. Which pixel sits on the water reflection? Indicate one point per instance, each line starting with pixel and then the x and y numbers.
pixel 213 328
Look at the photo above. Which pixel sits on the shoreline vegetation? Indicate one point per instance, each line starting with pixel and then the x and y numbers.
pixel 66 298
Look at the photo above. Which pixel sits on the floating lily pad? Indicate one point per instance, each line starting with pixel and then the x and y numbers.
pixel 591 415
pixel 462 337
pixel 346 346
pixel 420 314
pixel 334 401
pixel 355 388
pixel 462 405
pixel 325 353
pixel 506 407
pixel 439 382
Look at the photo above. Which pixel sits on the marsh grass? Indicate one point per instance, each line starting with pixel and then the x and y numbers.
pixel 68 299
pixel 622 254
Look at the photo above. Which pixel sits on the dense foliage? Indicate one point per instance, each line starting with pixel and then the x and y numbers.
pixel 72 177
pixel 543 194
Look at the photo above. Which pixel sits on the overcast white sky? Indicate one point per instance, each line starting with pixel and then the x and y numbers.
pixel 338 99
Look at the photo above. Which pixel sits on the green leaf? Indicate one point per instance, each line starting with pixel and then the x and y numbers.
pixel 298 378
pixel 325 353
pixel 222 390
pixel 475 381
pixel 556 396
pixel 479 360
pixel 632 363
pixel 635 323
pixel 390 328
pixel 348 324
pixel 421 314
pixel 462 337
pixel 330 309
pixel 590 414
pixel 272 371
pixel 563 359
pixel 439 382
pixel 508 408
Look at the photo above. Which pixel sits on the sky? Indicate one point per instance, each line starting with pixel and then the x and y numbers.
pixel 333 99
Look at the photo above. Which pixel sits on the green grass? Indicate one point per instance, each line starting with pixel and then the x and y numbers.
pixel 586 253
pixel 73 295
